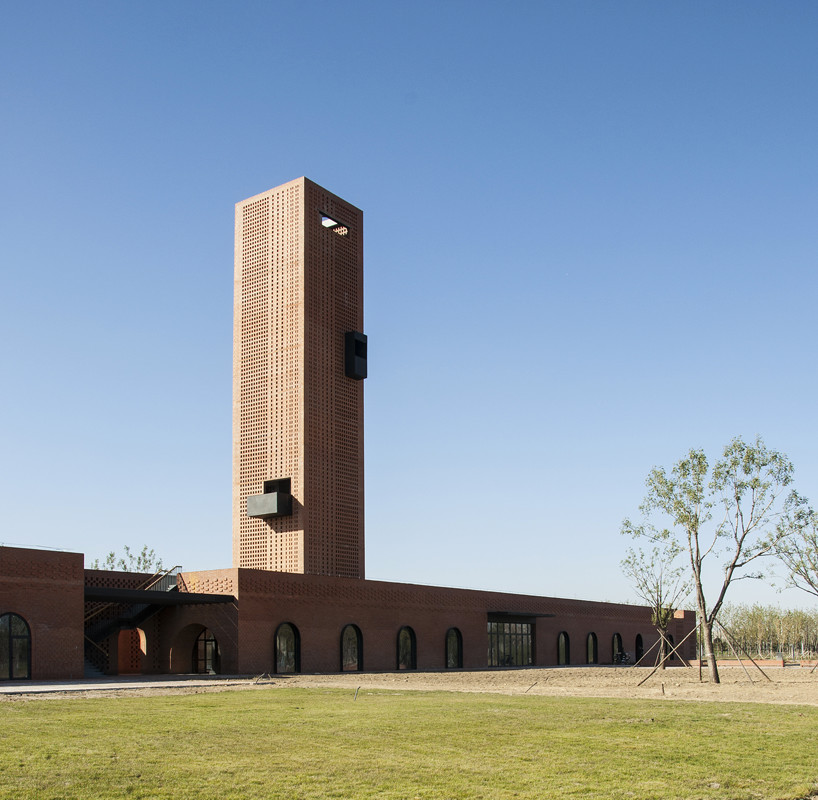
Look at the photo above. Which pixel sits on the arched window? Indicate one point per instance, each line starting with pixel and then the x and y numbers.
pixel 352 649
pixel 591 654
pixel 454 649
pixel 639 648
pixel 206 653
pixel 407 649
pixel 617 651
pixel 670 645
pixel 288 649
pixel 563 649
pixel 15 648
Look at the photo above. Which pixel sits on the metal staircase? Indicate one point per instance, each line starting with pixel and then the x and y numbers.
pixel 101 623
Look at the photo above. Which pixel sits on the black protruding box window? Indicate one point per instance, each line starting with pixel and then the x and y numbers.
pixel 355 355
pixel 276 501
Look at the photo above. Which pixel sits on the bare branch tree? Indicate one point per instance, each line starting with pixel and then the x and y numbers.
pixel 660 582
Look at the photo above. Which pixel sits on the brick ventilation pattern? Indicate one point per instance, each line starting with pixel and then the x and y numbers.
pixel 298 290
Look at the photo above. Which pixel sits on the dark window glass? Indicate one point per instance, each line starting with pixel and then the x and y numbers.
pixel 617 651
pixel 15 648
pixel 454 649
pixel 639 647
pixel 510 644
pixel 288 649
pixel 563 649
pixel 407 649
pixel 592 655
pixel 670 645
pixel 351 649
pixel 206 654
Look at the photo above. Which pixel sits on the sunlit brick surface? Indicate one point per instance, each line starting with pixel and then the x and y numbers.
pixel 298 290
pixel 46 589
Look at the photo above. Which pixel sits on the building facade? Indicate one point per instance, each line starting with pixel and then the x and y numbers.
pixel 296 597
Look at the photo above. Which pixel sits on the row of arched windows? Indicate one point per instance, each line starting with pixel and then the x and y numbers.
pixel 288 650
pixel 618 655
pixel 15 649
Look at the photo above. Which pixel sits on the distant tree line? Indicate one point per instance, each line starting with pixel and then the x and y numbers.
pixel 769 631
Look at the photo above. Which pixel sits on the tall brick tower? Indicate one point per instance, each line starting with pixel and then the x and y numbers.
pixel 298 362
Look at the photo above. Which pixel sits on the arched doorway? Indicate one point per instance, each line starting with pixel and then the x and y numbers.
pixel 563 649
pixel 131 649
pixel 206 654
pixel 352 649
pixel 454 649
pixel 639 647
pixel 288 649
pixel 407 649
pixel 15 648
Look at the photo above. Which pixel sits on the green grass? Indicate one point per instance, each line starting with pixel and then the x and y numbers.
pixel 299 743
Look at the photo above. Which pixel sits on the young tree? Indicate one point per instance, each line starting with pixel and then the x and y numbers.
pixel 146 561
pixel 799 552
pixel 660 582
pixel 746 490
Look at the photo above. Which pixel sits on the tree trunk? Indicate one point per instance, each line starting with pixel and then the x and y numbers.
pixel 707 637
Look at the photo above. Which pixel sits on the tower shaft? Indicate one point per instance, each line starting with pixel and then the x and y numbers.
pixel 297 402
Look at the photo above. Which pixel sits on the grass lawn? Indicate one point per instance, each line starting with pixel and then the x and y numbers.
pixel 311 743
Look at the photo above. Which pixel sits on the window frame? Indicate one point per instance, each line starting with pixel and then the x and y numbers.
pixel 413 649
pixel 591 649
pixel 296 659
pixel 359 644
pixel 458 640
pixel 12 643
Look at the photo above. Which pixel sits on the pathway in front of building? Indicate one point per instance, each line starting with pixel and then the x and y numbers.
pixel 120 682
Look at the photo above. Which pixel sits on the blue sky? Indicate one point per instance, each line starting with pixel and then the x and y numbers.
pixel 590 245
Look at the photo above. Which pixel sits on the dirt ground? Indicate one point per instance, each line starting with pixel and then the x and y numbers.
pixel 786 685
pixel 792 685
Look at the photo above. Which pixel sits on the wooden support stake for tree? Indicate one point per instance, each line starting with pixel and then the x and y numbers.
pixel 730 637
pixel 644 655
pixel 656 668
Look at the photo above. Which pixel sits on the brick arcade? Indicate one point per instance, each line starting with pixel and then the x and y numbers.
pixel 296 597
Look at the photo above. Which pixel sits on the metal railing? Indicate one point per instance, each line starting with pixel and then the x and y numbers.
pixel 161 581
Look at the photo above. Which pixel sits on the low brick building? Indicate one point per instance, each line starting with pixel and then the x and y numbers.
pixel 64 622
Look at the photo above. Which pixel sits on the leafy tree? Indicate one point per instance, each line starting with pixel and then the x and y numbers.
pixel 660 582
pixel 146 561
pixel 799 552
pixel 746 491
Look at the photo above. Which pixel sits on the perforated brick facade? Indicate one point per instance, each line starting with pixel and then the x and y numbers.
pixel 298 290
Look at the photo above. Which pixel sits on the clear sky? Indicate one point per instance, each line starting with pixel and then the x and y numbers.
pixel 590 244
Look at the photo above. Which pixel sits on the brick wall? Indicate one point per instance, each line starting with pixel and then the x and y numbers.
pixel 320 607
pixel 46 589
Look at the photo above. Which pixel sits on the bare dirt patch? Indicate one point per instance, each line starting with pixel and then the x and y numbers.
pixel 791 685
pixel 786 685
